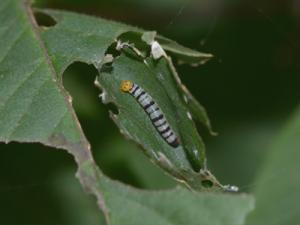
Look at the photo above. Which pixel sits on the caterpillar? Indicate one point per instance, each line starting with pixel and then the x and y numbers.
pixel 153 111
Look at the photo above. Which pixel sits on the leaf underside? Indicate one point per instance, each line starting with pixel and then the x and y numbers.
pixel 134 122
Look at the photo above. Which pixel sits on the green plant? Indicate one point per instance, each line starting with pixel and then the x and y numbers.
pixel 35 107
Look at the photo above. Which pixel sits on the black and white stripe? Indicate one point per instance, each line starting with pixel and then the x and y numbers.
pixel 155 114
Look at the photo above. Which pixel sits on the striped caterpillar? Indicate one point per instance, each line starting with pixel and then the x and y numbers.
pixel 152 109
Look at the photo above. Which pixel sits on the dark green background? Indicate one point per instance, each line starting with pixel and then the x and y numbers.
pixel 249 89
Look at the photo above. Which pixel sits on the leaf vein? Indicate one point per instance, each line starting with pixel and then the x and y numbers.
pixel 22 83
pixel 59 121
pixel 21 120
pixel 13 44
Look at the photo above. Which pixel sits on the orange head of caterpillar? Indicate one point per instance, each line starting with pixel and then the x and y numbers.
pixel 126 85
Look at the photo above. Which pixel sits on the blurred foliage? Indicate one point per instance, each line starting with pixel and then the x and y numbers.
pixel 249 90
pixel 277 195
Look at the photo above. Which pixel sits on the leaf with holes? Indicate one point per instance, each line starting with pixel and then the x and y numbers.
pixel 186 161
pixel 34 107
pixel 155 77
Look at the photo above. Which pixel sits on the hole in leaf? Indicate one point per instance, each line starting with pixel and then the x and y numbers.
pixel 136 39
pixel 126 49
pixel 106 68
pixel 116 157
pixel 112 50
pixel 207 183
pixel 113 108
pixel 100 130
pixel 44 20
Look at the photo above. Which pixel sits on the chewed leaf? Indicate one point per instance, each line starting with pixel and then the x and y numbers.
pixel 79 45
pixel 184 54
pixel 174 207
pixel 181 53
pixel 197 110
pixel 83 40
pixel 27 81
pixel 153 88
pixel 131 206
pixel 35 107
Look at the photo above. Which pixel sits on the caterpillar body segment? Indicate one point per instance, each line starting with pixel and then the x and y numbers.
pixel 153 111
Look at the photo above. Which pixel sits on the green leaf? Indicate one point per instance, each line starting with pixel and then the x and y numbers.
pixel 34 107
pixel 81 38
pixel 174 207
pixel 277 185
pixel 185 162
pixel 130 206
pixel 198 111
pixel 184 54
pixel 181 53
pixel 155 78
